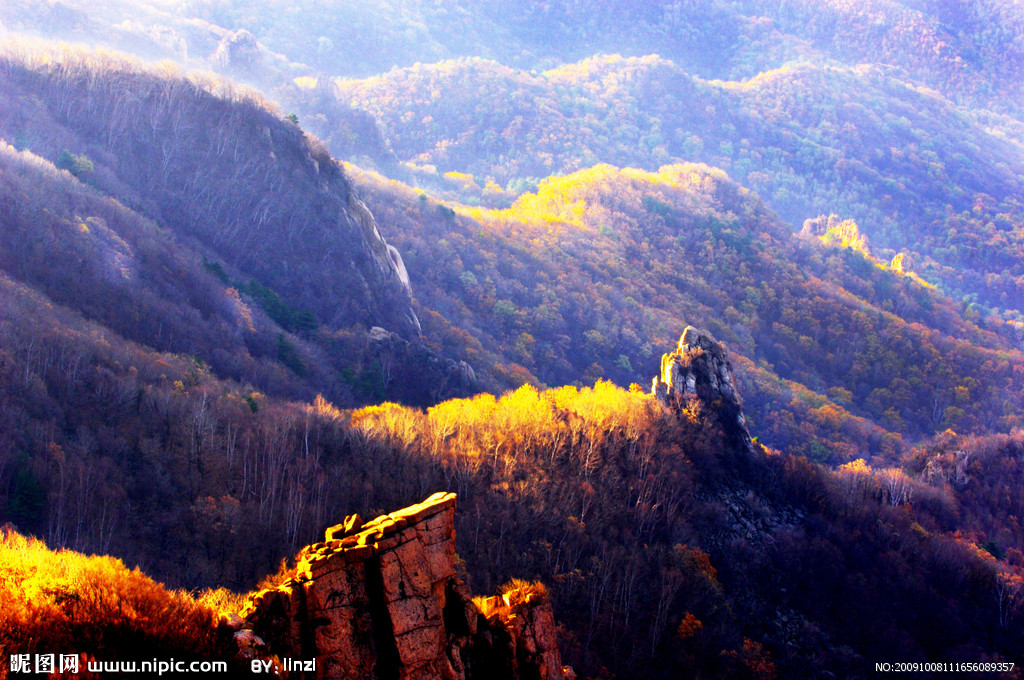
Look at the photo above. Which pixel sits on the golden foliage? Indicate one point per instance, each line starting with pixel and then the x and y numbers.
pixel 524 434
pixel 222 600
pixel 855 467
pixel 324 408
pixel 847 234
pixel 578 200
pixel 524 589
pixel 512 594
pixel 519 420
pixel 56 600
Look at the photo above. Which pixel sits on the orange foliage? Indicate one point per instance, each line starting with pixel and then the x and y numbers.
pixel 689 626
pixel 752 661
pixel 66 602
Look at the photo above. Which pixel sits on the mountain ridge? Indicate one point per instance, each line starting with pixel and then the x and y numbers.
pixel 214 337
pixel 582 277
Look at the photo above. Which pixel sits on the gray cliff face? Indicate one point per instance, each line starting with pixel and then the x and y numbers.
pixel 699 368
pixel 387 261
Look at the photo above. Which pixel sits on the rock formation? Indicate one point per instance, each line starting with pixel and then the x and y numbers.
pixel 833 231
pixel 382 600
pixel 415 375
pixel 902 263
pixel 239 51
pixel 700 368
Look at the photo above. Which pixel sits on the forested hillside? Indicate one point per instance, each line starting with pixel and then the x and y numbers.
pixel 916 172
pixel 328 258
pixel 840 355
pixel 191 217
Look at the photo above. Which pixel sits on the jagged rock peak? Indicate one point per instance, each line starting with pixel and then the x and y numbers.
pixel 381 599
pixel 694 337
pixel 699 368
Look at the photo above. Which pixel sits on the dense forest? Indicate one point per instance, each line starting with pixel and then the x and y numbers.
pixel 287 274
pixel 914 170
pixel 840 355
pixel 661 541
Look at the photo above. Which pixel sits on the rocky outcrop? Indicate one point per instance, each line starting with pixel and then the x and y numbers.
pixel 239 51
pixel 382 600
pixel 699 368
pixel 388 257
pixel 517 638
pixel 902 263
pixel 414 375
pixel 833 231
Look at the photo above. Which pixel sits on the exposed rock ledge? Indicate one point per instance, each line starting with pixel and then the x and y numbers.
pixel 700 368
pixel 382 600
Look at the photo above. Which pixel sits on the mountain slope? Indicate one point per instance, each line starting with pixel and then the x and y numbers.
pixel 916 172
pixel 182 152
pixel 581 279
pixel 196 220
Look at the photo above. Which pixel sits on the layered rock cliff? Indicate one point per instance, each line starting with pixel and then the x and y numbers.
pixel 699 368
pixel 382 600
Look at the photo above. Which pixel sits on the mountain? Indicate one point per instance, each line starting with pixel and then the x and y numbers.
pixel 841 355
pixel 901 115
pixel 966 50
pixel 916 172
pixel 196 220
pixel 217 341
pixel 180 147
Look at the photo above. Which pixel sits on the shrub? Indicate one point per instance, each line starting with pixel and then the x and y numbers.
pixel 77 165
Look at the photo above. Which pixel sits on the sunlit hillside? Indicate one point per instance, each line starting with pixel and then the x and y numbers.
pixel 70 605
pixel 915 171
pixel 840 355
